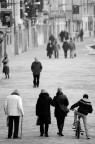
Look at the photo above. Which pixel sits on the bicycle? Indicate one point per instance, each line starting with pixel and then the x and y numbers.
pixel 78 129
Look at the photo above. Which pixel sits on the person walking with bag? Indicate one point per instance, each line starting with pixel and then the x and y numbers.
pixel 5 62
pixel 43 111
pixel 13 109
pixel 61 110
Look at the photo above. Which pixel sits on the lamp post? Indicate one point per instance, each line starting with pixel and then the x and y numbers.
pixel 72 21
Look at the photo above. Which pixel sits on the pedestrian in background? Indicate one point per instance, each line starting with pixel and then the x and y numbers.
pixel 13 109
pixel 5 62
pixel 36 68
pixel 52 38
pixel 65 47
pixel 49 49
pixel 56 49
pixel 43 111
pixel 77 35
pixel 72 48
pixel 81 35
pixel 61 103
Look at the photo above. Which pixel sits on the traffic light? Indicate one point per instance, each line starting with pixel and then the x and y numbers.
pixel 75 9
pixel 6 18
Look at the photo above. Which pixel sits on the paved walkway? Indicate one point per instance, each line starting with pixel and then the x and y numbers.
pixel 75 76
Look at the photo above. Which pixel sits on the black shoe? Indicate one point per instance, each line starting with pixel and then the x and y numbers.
pixel 87 137
pixel 58 133
pixel 34 86
pixel 46 135
pixel 61 134
pixel 41 134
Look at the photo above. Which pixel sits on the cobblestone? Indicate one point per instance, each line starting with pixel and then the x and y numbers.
pixel 75 76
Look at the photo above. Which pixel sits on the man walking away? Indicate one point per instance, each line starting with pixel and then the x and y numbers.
pixel 36 68
pixel 65 48
pixel 13 109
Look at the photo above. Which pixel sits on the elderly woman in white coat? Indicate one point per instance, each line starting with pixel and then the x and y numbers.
pixel 13 109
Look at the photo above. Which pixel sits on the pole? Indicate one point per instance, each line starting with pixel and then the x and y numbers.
pixel 21 127
pixel 72 21
pixel 15 36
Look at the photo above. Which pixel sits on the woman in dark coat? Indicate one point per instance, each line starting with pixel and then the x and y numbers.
pixel 43 111
pixel 5 62
pixel 49 49
pixel 60 99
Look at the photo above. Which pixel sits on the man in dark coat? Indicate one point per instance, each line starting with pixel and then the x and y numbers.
pixel 60 100
pixel 65 47
pixel 43 111
pixel 36 68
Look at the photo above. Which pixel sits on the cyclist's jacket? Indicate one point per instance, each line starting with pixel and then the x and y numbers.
pixel 84 106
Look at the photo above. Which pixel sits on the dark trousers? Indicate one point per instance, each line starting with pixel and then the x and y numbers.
pixel 60 124
pixel 36 80
pixel 13 122
pixel 44 128
pixel 65 53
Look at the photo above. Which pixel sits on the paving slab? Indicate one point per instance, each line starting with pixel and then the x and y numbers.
pixel 75 76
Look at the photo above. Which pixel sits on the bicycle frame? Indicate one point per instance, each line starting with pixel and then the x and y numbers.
pixel 78 127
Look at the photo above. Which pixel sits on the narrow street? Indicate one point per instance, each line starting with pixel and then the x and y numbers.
pixel 75 76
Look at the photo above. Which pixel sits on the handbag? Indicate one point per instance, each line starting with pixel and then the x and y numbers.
pixel 38 121
pixel 64 108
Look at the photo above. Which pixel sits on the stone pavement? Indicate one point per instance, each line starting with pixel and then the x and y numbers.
pixel 75 76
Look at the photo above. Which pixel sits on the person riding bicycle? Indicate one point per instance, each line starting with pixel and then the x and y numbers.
pixel 84 107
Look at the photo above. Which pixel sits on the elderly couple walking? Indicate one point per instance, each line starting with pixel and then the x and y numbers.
pixel 43 111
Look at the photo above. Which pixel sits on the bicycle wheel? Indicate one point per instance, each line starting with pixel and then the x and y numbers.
pixel 78 131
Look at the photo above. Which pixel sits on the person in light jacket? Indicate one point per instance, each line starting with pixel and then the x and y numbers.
pixel 13 109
